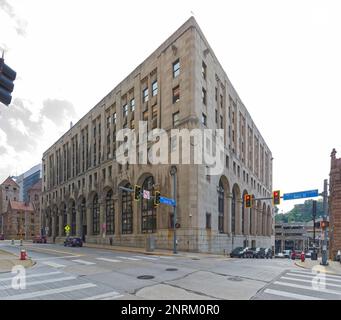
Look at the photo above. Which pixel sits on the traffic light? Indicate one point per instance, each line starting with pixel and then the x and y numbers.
pixel 248 201
pixel 7 76
pixel 157 198
pixel 137 192
pixel 276 197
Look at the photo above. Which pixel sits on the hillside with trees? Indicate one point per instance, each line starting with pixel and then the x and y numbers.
pixel 301 212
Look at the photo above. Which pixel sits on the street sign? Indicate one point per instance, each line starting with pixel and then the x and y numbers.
pixel 301 194
pixel 146 194
pixel 67 228
pixel 167 201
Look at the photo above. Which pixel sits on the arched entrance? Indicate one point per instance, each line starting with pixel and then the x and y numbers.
pixel 109 213
pixel 148 211
pixel 127 210
pixel 95 216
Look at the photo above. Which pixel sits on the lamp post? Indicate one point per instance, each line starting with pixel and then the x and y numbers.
pixel 173 171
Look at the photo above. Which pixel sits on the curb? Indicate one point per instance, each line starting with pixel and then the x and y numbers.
pixel 322 271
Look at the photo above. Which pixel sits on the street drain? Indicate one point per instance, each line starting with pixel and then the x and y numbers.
pixel 145 277
pixel 234 279
pixel 172 269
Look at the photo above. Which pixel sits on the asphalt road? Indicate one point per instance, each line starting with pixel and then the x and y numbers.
pixel 64 273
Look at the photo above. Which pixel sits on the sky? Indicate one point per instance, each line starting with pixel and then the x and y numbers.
pixel 283 58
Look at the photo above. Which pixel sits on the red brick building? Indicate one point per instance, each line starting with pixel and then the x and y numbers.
pixel 335 205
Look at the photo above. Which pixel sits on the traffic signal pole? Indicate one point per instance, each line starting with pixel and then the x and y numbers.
pixel 324 261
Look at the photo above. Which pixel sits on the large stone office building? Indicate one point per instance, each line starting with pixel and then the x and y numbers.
pixel 180 85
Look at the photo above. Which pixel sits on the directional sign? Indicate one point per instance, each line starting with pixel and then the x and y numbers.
pixel 67 228
pixel 167 201
pixel 146 194
pixel 300 195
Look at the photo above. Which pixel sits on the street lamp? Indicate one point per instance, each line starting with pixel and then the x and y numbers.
pixel 173 170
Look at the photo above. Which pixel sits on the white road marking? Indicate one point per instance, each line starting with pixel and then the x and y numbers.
pixel 42 282
pixel 108 260
pixel 143 257
pixel 322 276
pixel 322 283
pixel 316 273
pixel 113 297
pixel 53 264
pixel 34 275
pixel 58 257
pixel 291 295
pixel 165 257
pixel 88 263
pixel 104 295
pixel 133 259
pixel 307 287
pixel 49 292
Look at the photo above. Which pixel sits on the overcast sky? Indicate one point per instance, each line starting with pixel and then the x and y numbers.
pixel 283 58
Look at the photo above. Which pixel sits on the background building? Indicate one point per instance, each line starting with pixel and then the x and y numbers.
pixel 27 180
pixel 34 198
pixel 9 190
pixel 180 85
pixel 291 236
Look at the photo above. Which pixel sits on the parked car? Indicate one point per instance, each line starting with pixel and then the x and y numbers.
pixel 280 255
pixel 258 253
pixel 287 253
pixel 2 237
pixel 39 239
pixel 240 252
pixel 308 254
pixel 268 253
pixel 73 242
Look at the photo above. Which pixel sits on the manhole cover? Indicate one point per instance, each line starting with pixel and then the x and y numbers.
pixel 145 277
pixel 234 279
pixel 172 269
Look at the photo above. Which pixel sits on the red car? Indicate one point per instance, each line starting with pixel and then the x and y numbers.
pixel 295 255
pixel 39 239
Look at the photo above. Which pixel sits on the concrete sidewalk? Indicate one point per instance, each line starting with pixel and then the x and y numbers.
pixel 9 260
pixel 158 252
pixel 334 267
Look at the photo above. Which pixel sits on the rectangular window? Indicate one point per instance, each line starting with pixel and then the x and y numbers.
pixel 216 116
pixel 204 96
pixel 221 101
pixel 154 88
pixel 176 94
pixel 110 171
pixel 216 94
pixel 208 220
pixel 125 110
pixel 204 119
pixel 175 119
pixel 176 68
pixel 221 122
pixel 227 162
pixel 114 118
pixel 203 70
pixel 132 105
pixel 145 94
pixel 108 121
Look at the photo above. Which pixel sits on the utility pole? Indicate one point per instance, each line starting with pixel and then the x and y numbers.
pixel 173 171
pixel 314 219
pixel 324 261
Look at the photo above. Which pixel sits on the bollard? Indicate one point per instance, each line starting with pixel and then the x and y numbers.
pixel 21 242
pixel 12 242
pixel 22 254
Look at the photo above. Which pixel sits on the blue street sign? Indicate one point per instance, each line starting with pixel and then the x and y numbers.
pixel 167 201
pixel 301 194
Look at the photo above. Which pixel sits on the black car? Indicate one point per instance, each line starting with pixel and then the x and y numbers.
pixel 73 242
pixel 241 252
pixel 258 253
pixel 268 253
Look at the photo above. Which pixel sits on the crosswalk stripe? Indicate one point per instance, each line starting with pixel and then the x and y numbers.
pixel 127 258
pixel 113 297
pixel 83 262
pixel 143 257
pixel 321 283
pixel 319 275
pixel 54 264
pixel 36 275
pixel 48 292
pixel 104 295
pixel 311 288
pixel 315 273
pixel 165 257
pixel 108 260
pixel 291 295
pixel 42 282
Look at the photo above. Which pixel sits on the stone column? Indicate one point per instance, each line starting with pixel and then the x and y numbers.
pixel 79 225
pixel 247 221
pixel 54 225
pixel 61 227
pixel 69 212
pixel 228 213
pixel 89 220
pixel 102 219
pixel 239 204
pixel 118 218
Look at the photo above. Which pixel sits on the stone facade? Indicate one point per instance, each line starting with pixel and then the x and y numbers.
pixel 9 190
pixel 187 88
pixel 334 205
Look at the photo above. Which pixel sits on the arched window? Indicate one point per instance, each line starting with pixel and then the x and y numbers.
pixel 127 211
pixel 110 213
pixel 233 211
pixel 147 207
pixel 221 207
pixel 95 216
pixel 64 218
pixel 73 219
pixel 82 209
